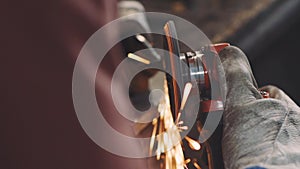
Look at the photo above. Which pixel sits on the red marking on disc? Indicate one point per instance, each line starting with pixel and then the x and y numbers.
pixel 219 46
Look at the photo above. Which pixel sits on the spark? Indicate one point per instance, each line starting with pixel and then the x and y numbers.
pixel 193 143
pixel 154 123
pixel 186 92
pixel 180 123
pixel 183 127
pixel 140 38
pixel 196 165
pixel 178 118
pixel 138 58
pixel 187 161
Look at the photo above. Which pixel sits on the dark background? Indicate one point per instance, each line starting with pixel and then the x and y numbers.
pixel 271 41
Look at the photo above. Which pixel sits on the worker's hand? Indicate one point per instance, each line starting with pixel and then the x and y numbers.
pixel 257 131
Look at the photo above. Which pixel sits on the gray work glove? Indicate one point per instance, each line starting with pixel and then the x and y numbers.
pixel 257 131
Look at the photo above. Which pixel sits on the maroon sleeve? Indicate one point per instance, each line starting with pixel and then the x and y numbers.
pixel 40 41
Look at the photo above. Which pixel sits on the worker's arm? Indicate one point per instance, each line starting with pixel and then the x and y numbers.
pixel 258 132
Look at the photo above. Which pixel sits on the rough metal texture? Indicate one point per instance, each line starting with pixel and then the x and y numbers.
pixel 257 131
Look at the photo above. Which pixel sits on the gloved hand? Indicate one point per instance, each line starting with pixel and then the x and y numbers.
pixel 257 132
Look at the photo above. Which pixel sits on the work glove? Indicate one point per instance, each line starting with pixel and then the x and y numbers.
pixel 258 132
